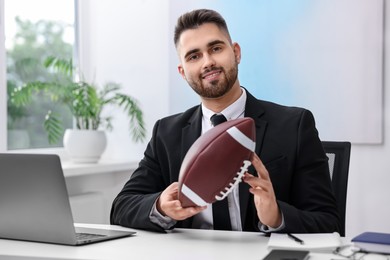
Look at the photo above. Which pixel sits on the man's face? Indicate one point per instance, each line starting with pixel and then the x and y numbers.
pixel 209 62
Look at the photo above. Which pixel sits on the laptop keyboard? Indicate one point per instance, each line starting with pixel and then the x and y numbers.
pixel 87 236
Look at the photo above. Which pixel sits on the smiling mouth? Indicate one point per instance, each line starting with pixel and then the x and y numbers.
pixel 211 75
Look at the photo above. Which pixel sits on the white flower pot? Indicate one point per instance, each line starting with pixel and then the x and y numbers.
pixel 85 146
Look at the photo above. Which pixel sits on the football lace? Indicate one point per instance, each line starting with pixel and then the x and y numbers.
pixel 237 180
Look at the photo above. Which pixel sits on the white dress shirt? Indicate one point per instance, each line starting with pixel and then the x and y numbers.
pixel 204 220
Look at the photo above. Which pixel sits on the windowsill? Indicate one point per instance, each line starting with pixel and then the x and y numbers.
pixel 77 169
pixel 71 169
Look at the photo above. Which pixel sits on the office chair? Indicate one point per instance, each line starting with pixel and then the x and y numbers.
pixel 339 154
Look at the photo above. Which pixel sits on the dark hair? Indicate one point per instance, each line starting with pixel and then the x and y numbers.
pixel 196 18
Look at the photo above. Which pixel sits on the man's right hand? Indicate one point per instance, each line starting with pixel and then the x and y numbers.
pixel 169 205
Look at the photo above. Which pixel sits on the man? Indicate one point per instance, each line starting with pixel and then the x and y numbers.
pixel 289 192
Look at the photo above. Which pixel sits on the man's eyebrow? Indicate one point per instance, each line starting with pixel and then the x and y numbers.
pixel 215 43
pixel 191 52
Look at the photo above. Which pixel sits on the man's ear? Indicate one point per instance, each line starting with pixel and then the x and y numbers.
pixel 181 71
pixel 237 52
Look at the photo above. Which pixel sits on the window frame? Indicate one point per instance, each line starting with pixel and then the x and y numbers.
pixel 3 82
pixel 80 59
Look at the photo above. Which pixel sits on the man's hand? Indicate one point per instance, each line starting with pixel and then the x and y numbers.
pixel 169 205
pixel 264 195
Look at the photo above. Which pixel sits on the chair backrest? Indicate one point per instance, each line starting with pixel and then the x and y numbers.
pixel 339 154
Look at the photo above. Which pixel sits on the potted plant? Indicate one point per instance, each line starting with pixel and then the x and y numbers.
pixel 17 137
pixel 86 103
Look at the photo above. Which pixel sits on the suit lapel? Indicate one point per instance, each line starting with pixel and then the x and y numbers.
pixel 191 131
pixel 254 110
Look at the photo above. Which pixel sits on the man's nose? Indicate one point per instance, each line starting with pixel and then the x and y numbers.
pixel 209 61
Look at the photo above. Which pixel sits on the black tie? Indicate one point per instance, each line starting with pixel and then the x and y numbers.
pixel 221 217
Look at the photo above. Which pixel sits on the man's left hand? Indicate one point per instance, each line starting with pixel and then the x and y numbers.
pixel 264 195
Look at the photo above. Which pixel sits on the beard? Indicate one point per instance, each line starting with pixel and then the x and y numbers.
pixel 216 88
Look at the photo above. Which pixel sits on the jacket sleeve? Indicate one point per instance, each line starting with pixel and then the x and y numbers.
pixel 312 205
pixel 132 206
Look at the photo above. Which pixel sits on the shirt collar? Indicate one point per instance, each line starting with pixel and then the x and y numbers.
pixel 233 111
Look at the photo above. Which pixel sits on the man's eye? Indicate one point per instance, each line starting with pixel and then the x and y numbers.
pixel 217 49
pixel 193 57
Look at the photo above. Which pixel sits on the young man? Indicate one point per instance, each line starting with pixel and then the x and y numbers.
pixel 290 189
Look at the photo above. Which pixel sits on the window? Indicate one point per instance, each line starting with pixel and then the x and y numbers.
pixel 34 30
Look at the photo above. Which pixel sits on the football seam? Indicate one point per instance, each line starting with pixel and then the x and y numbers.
pixel 237 179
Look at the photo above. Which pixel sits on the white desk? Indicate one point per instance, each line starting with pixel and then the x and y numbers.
pixel 180 244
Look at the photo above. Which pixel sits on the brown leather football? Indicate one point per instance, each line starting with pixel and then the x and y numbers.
pixel 216 162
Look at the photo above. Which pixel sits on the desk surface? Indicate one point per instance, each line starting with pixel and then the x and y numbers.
pixel 186 244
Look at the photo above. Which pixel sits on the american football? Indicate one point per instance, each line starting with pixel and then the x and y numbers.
pixel 216 162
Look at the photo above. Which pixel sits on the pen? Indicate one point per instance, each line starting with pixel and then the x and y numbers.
pixel 296 239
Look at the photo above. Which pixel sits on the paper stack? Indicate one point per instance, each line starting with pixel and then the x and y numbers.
pixel 314 242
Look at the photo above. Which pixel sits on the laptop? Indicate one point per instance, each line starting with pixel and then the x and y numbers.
pixel 34 203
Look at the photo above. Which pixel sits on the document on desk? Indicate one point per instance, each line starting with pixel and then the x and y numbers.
pixel 318 242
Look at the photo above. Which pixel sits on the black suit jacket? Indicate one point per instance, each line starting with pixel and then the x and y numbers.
pixel 286 141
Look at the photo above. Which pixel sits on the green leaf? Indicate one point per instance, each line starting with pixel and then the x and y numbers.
pixel 136 123
pixel 64 66
pixel 53 127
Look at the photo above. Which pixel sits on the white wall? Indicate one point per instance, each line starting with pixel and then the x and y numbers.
pixel 127 43
pixel 132 44
pixel 368 204
pixel 3 99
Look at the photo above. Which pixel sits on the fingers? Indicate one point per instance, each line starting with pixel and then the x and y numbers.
pixel 259 166
pixel 174 187
pixel 169 205
pixel 177 212
pixel 264 196
pixel 262 182
pixel 180 213
pixel 256 182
